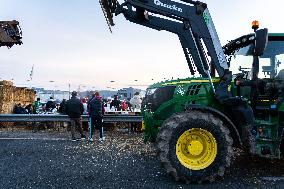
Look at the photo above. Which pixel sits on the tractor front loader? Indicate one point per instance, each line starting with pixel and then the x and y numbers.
pixel 195 122
pixel 10 33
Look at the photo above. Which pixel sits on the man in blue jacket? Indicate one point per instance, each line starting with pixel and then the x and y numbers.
pixel 74 109
pixel 96 112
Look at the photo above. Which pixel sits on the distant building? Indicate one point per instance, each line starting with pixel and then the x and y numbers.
pixel 57 95
pixel 107 94
pixel 104 93
pixel 127 93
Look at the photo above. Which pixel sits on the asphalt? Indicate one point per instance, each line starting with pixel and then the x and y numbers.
pixel 48 159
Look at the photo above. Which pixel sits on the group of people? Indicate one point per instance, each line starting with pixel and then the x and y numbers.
pixel 19 109
pixel 133 103
pixel 94 107
pixel 37 107
pixel 74 108
pixel 34 108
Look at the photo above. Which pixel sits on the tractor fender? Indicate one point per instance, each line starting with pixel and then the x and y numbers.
pixel 231 126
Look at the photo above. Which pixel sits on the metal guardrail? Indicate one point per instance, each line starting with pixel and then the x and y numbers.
pixel 64 118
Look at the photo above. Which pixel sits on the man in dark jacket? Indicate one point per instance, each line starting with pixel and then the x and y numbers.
pixel 96 111
pixel 61 109
pixel 50 105
pixel 74 109
pixel 115 103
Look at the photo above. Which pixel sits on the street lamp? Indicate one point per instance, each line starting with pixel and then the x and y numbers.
pixel 112 81
pixel 93 89
pixel 51 81
pixel 55 89
pixel 69 86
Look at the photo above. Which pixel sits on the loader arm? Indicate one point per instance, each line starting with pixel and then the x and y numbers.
pixel 191 21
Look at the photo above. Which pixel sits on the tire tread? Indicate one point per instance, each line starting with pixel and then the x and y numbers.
pixel 165 134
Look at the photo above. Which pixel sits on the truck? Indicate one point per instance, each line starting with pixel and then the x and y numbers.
pixel 196 122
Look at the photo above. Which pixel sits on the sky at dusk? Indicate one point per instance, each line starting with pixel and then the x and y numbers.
pixel 68 41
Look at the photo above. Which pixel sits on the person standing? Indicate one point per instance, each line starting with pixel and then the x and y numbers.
pixel 36 106
pixel 96 112
pixel 124 105
pixel 61 108
pixel 74 109
pixel 115 103
pixel 85 105
pixel 50 105
pixel 136 101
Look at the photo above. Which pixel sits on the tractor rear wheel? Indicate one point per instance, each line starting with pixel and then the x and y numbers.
pixel 194 146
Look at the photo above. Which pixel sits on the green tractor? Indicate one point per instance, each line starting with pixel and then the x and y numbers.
pixel 195 133
pixel 196 122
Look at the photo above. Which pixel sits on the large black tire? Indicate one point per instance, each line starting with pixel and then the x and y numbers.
pixel 175 126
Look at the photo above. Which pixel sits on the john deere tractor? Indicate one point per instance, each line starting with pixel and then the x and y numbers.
pixel 195 132
pixel 196 122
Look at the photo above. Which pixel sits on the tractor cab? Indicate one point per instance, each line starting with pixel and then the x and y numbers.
pixel 271 70
pixel 270 62
pixel 268 106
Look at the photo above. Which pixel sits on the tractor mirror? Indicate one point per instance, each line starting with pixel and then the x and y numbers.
pixel 260 41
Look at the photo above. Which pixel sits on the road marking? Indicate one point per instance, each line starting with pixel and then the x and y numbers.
pixel 52 139
pixel 272 178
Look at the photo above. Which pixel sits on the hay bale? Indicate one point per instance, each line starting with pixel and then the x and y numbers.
pixel 11 95
pixel 7 83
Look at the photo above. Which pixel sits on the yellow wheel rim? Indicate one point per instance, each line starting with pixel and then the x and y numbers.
pixel 196 149
pixel 143 126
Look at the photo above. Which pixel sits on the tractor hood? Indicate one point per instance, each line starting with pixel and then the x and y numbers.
pixel 182 81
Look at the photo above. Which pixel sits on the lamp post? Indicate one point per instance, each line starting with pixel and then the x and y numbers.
pixel 69 86
pixel 51 81
pixel 112 81
pixel 29 85
pixel 84 90
pixel 93 89
pixel 55 89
